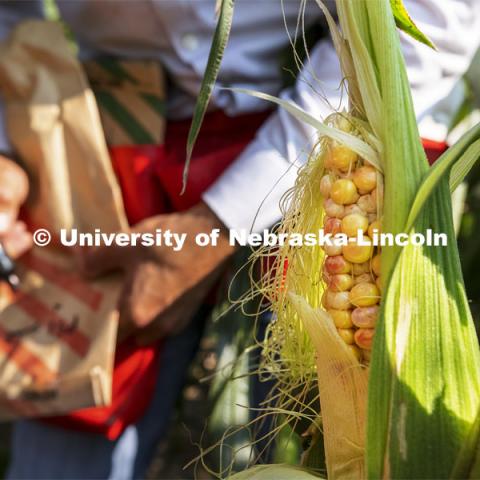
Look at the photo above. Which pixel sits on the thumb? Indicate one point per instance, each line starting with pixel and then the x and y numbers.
pixel 96 261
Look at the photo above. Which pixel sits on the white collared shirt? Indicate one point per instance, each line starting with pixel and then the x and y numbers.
pixel 178 33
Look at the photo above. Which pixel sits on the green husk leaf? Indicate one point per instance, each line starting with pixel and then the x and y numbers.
pixel 275 472
pixel 220 39
pixel 405 23
pixel 362 148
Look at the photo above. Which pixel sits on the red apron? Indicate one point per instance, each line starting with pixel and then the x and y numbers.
pixel 150 177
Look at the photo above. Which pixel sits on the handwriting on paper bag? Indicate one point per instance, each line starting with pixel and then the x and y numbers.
pixel 53 326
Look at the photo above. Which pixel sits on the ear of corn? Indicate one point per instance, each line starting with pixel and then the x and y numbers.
pixel 424 387
pixel 424 382
pixel 424 391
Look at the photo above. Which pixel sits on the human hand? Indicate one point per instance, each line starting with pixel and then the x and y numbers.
pixel 13 192
pixel 163 288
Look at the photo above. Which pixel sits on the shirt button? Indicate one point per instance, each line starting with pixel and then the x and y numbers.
pixel 189 41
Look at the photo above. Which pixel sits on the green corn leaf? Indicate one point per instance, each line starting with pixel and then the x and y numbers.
pixel 404 22
pixel 357 145
pixel 456 162
pixel 220 39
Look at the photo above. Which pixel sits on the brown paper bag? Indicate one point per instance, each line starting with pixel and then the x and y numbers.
pixel 57 337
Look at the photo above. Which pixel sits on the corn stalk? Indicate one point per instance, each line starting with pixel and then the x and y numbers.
pixel 420 419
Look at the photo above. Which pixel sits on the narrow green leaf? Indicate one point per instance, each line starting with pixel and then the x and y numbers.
pixel 405 23
pixel 220 39
pixel 358 146
pixel 457 161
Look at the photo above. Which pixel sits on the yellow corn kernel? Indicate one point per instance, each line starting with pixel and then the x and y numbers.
pixel 378 283
pixel 356 252
pixel 333 209
pixel 365 317
pixel 367 204
pixel 357 353
pixel 376 265
pixel 360 268
pixel 332 225
pixel 364 295
pixel 375 227
pixel 351 224
pixel 337 300
pixel 364 278
pixel 337 264
pixel 344 192
pixel 365 178
pixel 364 338
pixel 347 335
pixel 341 282
pixel 325 185
pixel 350 209
pixel 324 300
pixel 341 318
pixel 332 250
pixel 341 157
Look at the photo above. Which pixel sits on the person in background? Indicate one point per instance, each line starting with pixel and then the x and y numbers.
pixel 164 296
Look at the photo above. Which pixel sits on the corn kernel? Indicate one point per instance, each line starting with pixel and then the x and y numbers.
pixel 364 338
pixel 357 353
pixel 360 268
pixel 365 178
pixel 342 157
pixel 378 283
pixel 364 278
pixel 337 300
pixel 364 295
pixel 347 335
pixel 356 252
pixel 365 317
pixel 341 282
pixel 375 227
pixel 325 185
pixel 351 224
pixel 341 318
pixel 332 250
pixel 337 264
pixel 332 225
pixel 350 209
pixel 376 265
pixel 333 209
pixel 344 192
pixel 324 300
pixel 367 204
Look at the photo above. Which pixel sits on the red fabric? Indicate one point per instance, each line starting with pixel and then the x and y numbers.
pixel 150 177
pixel 433 149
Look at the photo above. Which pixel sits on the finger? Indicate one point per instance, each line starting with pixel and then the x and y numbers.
pixel 13 183
pixel 7 219
pixel 18 240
